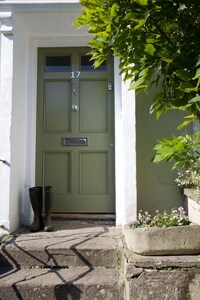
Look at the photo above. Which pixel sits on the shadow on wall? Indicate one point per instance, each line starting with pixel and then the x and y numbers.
pixel 156 187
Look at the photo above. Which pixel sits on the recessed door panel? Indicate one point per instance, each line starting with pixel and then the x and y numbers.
pixel 55 163
pixel 94 105
pixel 56 106
pixel 94 173
pixel 75 131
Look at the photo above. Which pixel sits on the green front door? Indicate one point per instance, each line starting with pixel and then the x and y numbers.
pixel 75 130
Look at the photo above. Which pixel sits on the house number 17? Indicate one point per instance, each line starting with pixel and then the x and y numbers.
pixel 75 74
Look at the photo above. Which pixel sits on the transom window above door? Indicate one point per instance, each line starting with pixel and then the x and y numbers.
pixel 87 64
pixel 58 63
pixel 62 63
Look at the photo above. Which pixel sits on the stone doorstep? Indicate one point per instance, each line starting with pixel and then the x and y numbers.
pixel 76 260
pixel 23 258
pixel 91 281
pixel 75 283
pixel 76 244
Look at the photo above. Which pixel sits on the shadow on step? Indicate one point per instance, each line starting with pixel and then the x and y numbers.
pixel 52 261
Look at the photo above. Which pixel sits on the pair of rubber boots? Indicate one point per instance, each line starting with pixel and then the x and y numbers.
pixel 36 198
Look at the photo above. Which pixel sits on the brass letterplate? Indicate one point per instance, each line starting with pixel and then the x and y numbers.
pixel 74 141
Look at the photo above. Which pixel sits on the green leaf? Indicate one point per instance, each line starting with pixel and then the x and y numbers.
pixel 187 87
pixel 190 117
pixel 198 62
pixel 130 16
pixel 144 72
pixel 149 48
pixel 142 2
pixel 182 74
pixel 195 99
pixel 113 11
pixel 140 23
pixel 137 83
pixel 184 124
pixel 197 75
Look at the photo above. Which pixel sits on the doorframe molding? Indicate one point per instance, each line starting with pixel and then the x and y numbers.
pixel 125 135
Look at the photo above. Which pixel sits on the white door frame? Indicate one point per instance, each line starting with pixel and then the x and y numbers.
pixel 125 152
pixel 22 105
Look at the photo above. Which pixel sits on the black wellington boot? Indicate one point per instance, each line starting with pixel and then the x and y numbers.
pixel 48 204
pixel 35 194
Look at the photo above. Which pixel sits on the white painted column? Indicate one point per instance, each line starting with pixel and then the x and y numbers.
pixel 125 150
pixel 6 82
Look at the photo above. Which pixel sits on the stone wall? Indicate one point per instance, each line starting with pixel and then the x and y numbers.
pixel 162 277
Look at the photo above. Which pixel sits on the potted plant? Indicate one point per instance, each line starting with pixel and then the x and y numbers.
pixel 184 150
pixel 164 234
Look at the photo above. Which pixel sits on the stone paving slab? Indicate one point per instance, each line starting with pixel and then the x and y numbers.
pixel 72 283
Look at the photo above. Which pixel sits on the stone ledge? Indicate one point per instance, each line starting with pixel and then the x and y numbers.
pixel 193 204
pixel 180 261
pixel 193 194
pixel 162 277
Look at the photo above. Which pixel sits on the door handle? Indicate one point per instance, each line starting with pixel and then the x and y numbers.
pixel 75 108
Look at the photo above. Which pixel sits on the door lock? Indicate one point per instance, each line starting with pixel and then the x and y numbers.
pixel 75 108
pixel 75 90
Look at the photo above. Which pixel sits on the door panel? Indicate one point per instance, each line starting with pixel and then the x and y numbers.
pixel 75 132
pixel 58 163
pixel 56 113
pixel 93 105
pixel 91 181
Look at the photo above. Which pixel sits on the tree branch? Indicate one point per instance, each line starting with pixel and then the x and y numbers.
pixel 161 31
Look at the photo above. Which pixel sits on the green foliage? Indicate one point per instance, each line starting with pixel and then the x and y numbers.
pixel 183 149
pixel 177 217
pixel 158 45
pixel 150 37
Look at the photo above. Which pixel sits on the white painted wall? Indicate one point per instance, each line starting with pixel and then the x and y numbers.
pixel 13 95
pixel 6 75
pixel 125 152
pixel 19 125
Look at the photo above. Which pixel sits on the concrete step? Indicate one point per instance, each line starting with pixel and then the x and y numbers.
pixel 77 260
pixel 69 283
pixel 73 245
